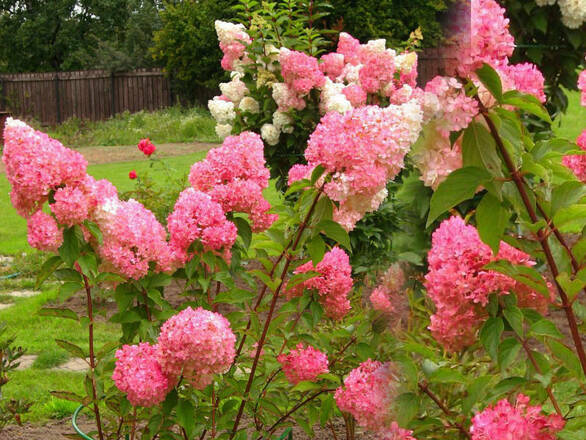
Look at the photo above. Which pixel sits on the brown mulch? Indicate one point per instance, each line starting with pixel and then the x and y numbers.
pixel 101 155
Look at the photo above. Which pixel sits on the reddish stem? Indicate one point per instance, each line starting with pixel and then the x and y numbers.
pixel 541 235
pixel 90 313
pixel 263 335
pixel 423 387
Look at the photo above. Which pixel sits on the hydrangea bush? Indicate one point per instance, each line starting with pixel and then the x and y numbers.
pixel 240 318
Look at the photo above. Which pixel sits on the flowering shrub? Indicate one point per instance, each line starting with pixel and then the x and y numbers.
pixel 268 289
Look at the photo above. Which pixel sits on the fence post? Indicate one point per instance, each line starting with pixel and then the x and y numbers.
pixel 112 95
pixel 57 98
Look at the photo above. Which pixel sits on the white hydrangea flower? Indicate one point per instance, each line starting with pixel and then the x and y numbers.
pixel 283 122
pixel 230 32
pixel 249 104
pixel 222 111
pixel 350 73
pixel 375 46
pixel 405 61
pixel 270 134
pixel 332 98
pixel 223 131
pixel 573 12
pixel 234 90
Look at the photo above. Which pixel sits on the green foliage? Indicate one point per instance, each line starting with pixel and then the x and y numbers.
pixel 393 20
pixel 187 45
pixel 542 38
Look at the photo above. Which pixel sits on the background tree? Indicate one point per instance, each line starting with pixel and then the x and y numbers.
pixel 187 46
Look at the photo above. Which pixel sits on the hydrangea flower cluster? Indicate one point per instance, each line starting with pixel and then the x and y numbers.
pixel 460 287
pixel 300 71
pixel 37 165
pixel 524 77
pixel 146 146
pixel 362 149
pixel 397 433
pixel 453 109
pixel 139 375
pixel 573 11
pixel 303 364
pixel 197 217
pixel 368 394
pixel 390 287
pixel 234 175
pixel 233 41
pixel 521 421
pixel 197 344
pixel 333 283
pixel 43 233
pixel 435 156
pixel 577 162
pixel 132 238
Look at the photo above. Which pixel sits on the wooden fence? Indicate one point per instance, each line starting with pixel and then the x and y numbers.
pixel 52 98
pixel 91 94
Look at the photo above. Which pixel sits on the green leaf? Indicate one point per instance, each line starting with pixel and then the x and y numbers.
pixel 490 335
pixel 567 194
pixel 491 80
pixel 88 264
pixel 571 219
pixel 316 248
pixel 326 409
pixel 491 220
pixel 59 313
pixel 94 230
pixel 566 356
pixel 66 289
pixel 234 296
pixel 446 375
pixel 476 391
pixel 68 275
pixel 244 230
pixel 524 274
pixel 479 150
pixel 67 395
pixel 460 185
pixel 545 327
pixel 514 317
pixel 506 385
pixel 47 269
pixel 407 408
pixel 526 102
pixel 336 232
pixel 508 351
pixel 71 348
pixel 306 385
pixel 69 250
pixel 316 174
pixel 186 416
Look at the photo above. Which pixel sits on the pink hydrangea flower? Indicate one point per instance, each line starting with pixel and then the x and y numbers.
pixel 196 217
pixel 368 394
pixel 332 65
pixel 197 344
pixel 524 77
pixel 390 288
pixel 362 149
pixel 146 146
pixel 71 205
pixel 397 433
pixel 483 37
pixel 349 47
pixel 455 110
pixel 234 175
pixel 300 71
pixel 582 87
pixel 233 41
pixel 303 364
pixel 43 232
pixel 37 165
pixel 355 94
pixel 521 421
pixel 460 287
pixel 577 162
pixel 132 238
pixel 377 71
pixel 139 375
pixel 333 284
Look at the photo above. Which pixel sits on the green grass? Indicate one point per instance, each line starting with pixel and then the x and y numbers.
pixel 571 124
pixel 13 227
pixel 173 124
